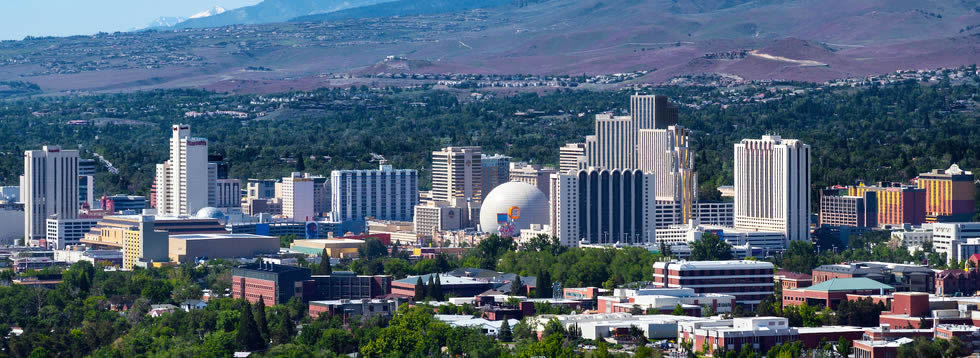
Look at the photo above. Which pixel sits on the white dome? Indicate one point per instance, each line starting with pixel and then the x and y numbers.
pixel 532 206
pixel 210 213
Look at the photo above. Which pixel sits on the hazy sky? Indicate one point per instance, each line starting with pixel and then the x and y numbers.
pixel 19 18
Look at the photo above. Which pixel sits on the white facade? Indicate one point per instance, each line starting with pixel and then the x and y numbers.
pixel 614 144
pixel 384 194
pixel 297 197
pixel 571 157
pixel 689 233
pixel 772 186
pixel 431 218
pixel 532 174
pixel 64 232
pixel 721 214
pixel 50 187
pixel 947 238
pixel 183 182
pixel 604 207
pixel 457 175
pixel 524 203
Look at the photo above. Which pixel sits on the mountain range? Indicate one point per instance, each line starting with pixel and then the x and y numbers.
pixel 171 21
pixel 270 11
pixel 309 46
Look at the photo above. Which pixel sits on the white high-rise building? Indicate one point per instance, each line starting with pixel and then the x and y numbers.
pixel 614 144
pixel 457 175
pixel 183 183
pixel 666 154
pixel 772 186
pixel 571 157
pixel 297 197
pixel 605 207
pixel 228 194
pixel 49 187
pixel 384 194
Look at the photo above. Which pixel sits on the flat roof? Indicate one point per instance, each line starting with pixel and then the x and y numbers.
pixel 707 265
pixel 219 236
pixel 443 280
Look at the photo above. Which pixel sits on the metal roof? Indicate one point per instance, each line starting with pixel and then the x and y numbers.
pixel 849 284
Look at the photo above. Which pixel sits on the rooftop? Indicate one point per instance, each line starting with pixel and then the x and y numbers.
pixel 443 280
pixel 849 284
pixel 711 265
pixel 220 236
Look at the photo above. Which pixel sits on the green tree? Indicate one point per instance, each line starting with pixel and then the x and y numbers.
pixel 249 338
pixel 419 290
pixel 372 248
pixel 543 289
pixel 283 331
pixel 843 347
pixel 516 286
pixel 678 310
pixel 325 268
pixel 260 319
pixel 505 334
pixel 710 247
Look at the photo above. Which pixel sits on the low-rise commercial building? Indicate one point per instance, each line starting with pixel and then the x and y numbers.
pixel 335 248
pixel 451 285
pixel 830 293
pixel 352 308
pixel 347 285
pixel 757 333
pixel 958 241
pixel 664 300
pixel 142 238
pixel 904 278
pixel 184 248
pixel 64 232
pixel 605 325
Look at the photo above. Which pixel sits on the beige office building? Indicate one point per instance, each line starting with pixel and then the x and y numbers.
pixel 666 154
pixel 185 248
pixel 49 187
pixel 572 157
pixel 457 175
pixel 772 186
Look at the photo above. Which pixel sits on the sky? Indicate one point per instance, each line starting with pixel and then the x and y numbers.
pixel 19 18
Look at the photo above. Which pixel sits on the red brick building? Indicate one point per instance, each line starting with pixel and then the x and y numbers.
pixel 748 281
pixel 953 282
pixel 831 293
pixel 276 284
pixel 790 280
pixel 759 333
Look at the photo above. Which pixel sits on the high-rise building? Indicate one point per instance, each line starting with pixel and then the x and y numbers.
pixel 949 194
pixel 533 174
pixel 86 191
pixel 666 154
pixel 183 182
pixel 321 195
pixel 772 186
pixel 571 157
pixel 228 194
pixel 604 207
pixel 220 166
pixel 49 187
pixel 297 197
pixel 457 175
pixel 496 171
pixel 384 194
pixel 897 203
pixel 261 189
pixel 87 167
pixel 614 144
pixel 652 112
